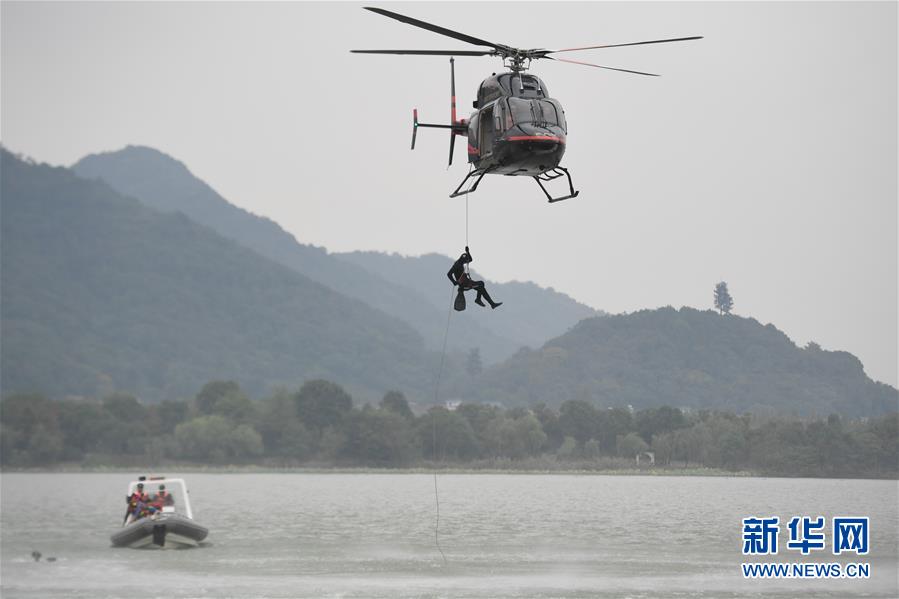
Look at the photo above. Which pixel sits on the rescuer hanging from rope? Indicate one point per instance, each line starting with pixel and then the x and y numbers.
pixel 459 276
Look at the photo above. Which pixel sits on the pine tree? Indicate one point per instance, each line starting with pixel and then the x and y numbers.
pixel 473 365
pixel 724 303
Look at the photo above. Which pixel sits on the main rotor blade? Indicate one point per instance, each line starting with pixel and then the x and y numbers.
pixel 434 28
pixel 588 64
pixel 428 52
pixel 677 39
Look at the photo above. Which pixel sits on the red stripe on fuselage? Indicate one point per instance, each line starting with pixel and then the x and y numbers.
pixel 535 138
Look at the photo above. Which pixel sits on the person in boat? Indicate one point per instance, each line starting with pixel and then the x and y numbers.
pixel 162 498
pixel 137 504
pixel 458 275
pixel 143 509
pixel 138 496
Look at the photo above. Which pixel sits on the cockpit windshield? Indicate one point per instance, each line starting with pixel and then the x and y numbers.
pixel 537 112
pixel 522 111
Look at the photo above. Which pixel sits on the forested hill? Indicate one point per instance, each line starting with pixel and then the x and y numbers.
pixel 687 358
pixel 163 183
pixel 100 293
pixel 530 314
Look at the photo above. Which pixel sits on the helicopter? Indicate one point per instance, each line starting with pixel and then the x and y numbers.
pixel 517 129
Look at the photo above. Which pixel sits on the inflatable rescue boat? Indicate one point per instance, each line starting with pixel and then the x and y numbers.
pixel 158 515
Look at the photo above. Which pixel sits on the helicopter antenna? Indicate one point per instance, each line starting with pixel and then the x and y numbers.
pixel 515 59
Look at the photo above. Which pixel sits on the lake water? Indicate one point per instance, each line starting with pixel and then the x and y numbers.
pixel 372 535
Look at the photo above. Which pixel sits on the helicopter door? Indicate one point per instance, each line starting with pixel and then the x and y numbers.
pixel 473 149
pixel 486 131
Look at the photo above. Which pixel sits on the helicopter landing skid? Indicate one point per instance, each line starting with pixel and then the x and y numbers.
pixel 552 175
pixel 474 187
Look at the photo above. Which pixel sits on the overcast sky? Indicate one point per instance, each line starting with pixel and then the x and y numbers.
pixel 765 156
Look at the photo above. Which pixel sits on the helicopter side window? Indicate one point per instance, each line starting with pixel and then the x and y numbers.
pixel 489 91
pixel 487 131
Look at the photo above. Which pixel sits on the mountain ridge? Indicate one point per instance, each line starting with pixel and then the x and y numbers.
pixel 690 358
pixel 101 293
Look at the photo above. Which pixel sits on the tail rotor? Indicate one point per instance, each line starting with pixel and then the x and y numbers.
pixel 456 127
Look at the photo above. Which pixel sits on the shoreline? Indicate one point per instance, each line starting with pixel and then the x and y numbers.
pixel 604 466
pixel 448 469
pixel 453 469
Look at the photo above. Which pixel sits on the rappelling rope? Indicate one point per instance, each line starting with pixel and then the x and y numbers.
pixel 434 426
pixel 465 266
pixel 466 220
pixel 467 193
pixel 437 383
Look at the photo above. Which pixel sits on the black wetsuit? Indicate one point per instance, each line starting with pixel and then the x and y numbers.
pixel 458 276
pixel 458 268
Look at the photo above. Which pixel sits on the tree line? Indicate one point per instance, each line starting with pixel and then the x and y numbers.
pixel 318 425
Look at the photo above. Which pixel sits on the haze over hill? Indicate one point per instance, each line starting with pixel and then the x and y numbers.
pixel 530 313
pixel 417 295
pixel 100 293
